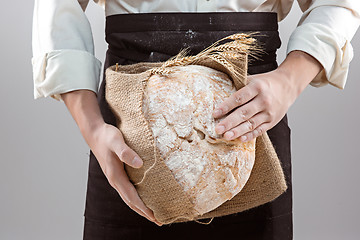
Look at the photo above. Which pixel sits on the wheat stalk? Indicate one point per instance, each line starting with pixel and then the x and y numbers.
pixel 160 71
pixel 235 49
pixel 179 61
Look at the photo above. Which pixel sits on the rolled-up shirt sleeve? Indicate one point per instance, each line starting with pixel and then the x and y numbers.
pixel 325 31
pixel 63 50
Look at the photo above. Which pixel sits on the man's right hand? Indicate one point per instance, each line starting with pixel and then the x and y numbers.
pixel 108 146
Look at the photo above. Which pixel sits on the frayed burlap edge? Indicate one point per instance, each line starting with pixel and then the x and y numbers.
pixel 124 94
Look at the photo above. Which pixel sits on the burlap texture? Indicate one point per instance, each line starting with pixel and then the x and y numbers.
pixel 159 190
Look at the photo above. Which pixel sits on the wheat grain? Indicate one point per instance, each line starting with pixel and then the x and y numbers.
pixel 226 54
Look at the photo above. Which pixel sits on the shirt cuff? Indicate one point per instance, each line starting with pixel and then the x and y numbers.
pixel 65 70
pixel 332 50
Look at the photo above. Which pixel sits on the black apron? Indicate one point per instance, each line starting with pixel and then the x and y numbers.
pixel 153 37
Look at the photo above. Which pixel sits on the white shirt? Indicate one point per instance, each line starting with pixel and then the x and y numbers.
pixel 63 49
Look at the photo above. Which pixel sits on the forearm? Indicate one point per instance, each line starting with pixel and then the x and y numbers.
pixel 108 146
pixel 84 108
pixel 299 69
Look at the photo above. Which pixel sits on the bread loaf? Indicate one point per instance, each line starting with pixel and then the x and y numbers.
pixel 178 107
pixel 163 110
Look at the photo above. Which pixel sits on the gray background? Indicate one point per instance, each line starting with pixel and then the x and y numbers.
pixel 43 168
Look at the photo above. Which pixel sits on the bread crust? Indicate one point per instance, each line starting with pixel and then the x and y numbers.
pixel 178 107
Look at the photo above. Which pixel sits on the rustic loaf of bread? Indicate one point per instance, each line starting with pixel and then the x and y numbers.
pixel 178 107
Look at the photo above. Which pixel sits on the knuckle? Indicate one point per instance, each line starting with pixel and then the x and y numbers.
pixel 251 124
pixel 243 113
pixel 236 132
pixel 259 86
pixel 271 116
pixel 239 97
pixel 266 101
pixel 124 154
pixel 268 114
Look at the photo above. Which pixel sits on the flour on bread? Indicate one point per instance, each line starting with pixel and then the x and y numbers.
pixel 179 107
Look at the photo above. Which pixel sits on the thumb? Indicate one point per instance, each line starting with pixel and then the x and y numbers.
pixel 126 154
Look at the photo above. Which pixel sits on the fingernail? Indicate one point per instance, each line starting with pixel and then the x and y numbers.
pixel 158 223
pixel 137 162
pixel 217 112
pixel 152 219
pixel 229 135
pixel 243 138
pixel 147 215
pixel 220 129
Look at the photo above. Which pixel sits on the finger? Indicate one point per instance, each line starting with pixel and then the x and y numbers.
pixel 236 99
pixel 239 116
pixel 247 126
pixel 130 196
pixel 128 192
pixel 126 154
pixel 137 210
pixel 134 208
pixel 257 132
pixel 141 211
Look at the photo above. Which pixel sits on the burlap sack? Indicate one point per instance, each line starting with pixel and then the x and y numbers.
pixel 158 188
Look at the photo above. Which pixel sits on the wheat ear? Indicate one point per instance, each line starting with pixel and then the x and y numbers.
pixel 227 53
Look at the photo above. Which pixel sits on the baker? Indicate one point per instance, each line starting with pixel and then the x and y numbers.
pixel 66 69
